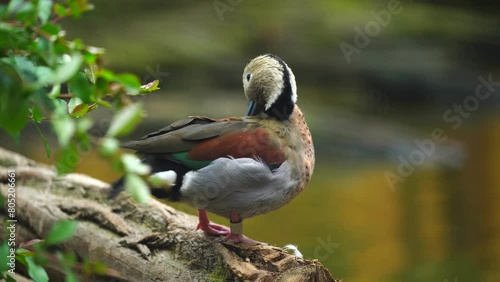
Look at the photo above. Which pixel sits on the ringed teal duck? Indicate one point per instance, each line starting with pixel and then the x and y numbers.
pixel 236 167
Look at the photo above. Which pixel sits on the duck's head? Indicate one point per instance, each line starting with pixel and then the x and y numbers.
pixel 270 87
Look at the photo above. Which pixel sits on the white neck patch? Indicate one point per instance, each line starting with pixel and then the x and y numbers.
pixel 274 96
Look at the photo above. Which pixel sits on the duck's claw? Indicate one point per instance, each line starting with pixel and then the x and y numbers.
pixel 213 229
pixel 208 227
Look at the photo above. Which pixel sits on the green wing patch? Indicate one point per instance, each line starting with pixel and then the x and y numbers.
pixel 183 158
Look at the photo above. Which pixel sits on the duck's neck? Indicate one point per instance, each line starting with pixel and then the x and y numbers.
pixel 281 109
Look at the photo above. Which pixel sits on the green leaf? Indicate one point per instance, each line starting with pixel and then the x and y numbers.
pixel 67 260
pixel 103 103
pixel 55 91
pixel 67 159
pixel 95 50
pixel 76 8
pixel 150 87
pixel 64 128
pixel 90 58
pixel 60 10
pixel 130 81
pixel 36 272
pixel 70 275
pixel 43 102
pixel 125 120
pixel 24 67
pixel 43 48
pixel 36 114
pixel 44 73
pixel 83 125
pixel 80 87
pixel 137 188
pixel 44 7
pixel 107 75
pixel 91 68
pixel 76 107
pixel 22 254
pixel 13 113
pixel 60 232
pixel 52 29
pixel 27 13
pixel 133 164
pixel 13 37
pixel 61 46
pixel 14 103
pixel 4 259
pixel 67 68
pixel 109 146
pixel 93 106
pixel 62 124
pixel 45 143
pixel 14 5
pixel 8 278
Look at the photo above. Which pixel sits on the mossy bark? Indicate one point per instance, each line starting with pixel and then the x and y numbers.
pixel 153 242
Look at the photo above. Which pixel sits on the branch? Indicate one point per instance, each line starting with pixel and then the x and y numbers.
pixel 143 243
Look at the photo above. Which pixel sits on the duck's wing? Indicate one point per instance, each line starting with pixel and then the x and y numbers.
pixel 199 140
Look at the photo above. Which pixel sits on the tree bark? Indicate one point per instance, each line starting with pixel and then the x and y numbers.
pixel 151 242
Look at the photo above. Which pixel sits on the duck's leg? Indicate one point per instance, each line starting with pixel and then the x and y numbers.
pixel 236 234
pixel 210 228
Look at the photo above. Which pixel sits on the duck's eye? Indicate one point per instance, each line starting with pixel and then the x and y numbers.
pixel 249 76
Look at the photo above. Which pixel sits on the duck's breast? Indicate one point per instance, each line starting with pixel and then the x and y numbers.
pixel 242 185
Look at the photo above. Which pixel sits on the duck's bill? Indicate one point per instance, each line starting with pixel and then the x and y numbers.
pixel 253 108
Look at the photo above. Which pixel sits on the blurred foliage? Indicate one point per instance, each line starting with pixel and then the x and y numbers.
pixel 37 63
pixel 46 78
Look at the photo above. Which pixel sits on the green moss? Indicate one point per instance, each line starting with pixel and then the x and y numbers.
pixel 221 273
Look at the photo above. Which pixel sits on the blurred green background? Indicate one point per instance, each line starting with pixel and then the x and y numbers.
pixel 401 80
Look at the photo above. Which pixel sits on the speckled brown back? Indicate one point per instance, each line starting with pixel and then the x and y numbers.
pixel 305 146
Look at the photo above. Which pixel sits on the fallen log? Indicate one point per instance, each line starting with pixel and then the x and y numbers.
pixel 152 242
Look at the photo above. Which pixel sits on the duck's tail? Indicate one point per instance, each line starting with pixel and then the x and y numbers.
pixel 165 168
pixel 116 188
